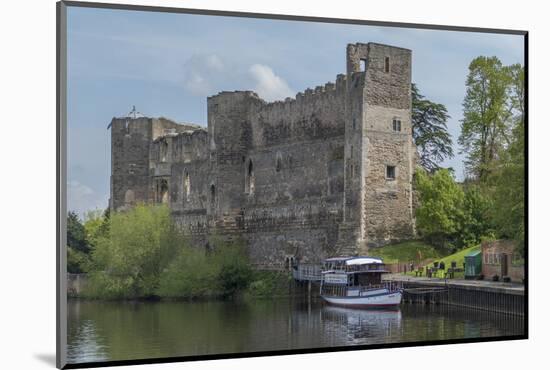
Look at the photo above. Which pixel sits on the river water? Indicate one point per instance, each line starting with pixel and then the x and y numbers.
pixel 108 331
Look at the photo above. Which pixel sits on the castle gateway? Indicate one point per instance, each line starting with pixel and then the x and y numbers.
pixel 327 173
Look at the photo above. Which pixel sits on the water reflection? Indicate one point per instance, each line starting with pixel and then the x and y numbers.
pixel 100 331
pixel 357 325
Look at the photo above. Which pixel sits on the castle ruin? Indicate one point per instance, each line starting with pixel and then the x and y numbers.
pixel 327 173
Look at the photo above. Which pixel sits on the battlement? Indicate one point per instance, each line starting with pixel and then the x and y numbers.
pixel 312 168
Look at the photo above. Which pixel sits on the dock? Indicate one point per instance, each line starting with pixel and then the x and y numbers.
pixel 505 298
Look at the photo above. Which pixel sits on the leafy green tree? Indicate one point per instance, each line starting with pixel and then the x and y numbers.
pixel 429 129
pixel 96 225
pixel 139 245
pixel 485 126
pixel 508 179
pixel 78 248
pixel 440 210
pixel 76 234
pixel 476 222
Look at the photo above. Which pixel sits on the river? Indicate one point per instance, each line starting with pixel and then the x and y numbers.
pixel 108 331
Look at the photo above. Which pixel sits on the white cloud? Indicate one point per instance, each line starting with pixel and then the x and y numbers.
pixel 268 85
pixel 201 73
pixel 81 198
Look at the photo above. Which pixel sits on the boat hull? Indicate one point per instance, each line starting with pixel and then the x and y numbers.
pixel 390 299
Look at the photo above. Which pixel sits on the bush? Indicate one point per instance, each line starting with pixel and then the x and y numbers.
pixel 268 284
pixel 235 272
pixel 136 246
pixel 195 273
pixel 141 254
pixel 102 285
pixel 190 275
pixel 77 261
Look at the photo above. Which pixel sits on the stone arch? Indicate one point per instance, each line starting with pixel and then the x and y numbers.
pixel 186 185
pixel 163 148
pixel 278 162
pixel 213 193
pixel 129 197
pixel 249 179
pixel 162 192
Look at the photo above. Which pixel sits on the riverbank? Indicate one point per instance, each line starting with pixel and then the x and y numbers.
pixel 263 284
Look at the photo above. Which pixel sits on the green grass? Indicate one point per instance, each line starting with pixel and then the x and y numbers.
pixel 458 257
pixel 405 252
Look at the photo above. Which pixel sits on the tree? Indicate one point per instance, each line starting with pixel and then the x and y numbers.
pixel 96 225
pixel 440 212
pixel 130 257
pixel 486 109
pixel 78 248
pixel 476 222
pixel 508 178
pixel 429 129
pixel 76 234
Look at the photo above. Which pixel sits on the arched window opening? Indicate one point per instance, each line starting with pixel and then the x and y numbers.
pixel 163 150
pixel 129 197
pixel 278 163
pixel 162 191
pixel 249 180
pixel 186 186
pixel 363 65
pixel 213 192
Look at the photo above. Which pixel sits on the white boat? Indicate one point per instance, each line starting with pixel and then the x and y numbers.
pixel 356 282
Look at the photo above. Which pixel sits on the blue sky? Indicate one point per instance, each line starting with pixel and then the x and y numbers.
pixel 167 64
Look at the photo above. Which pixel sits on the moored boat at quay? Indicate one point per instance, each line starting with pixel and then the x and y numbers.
pixel 356 282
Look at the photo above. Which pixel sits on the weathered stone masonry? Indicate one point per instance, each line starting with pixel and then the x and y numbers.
pixel 327 173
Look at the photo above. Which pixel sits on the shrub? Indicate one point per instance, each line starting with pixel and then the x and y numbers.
pixel 223 271
pixel 136 246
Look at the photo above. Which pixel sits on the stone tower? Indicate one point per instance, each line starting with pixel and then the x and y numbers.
pixel 380 153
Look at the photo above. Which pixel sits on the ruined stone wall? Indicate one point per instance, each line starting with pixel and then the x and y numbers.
pixel 387 210
pixel 303 178
pixel 130 143
pixel 297 153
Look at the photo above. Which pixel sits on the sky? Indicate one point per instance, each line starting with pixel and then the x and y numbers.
pixel 167 64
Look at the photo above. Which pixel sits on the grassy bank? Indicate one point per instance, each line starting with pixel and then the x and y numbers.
pixel 457 257
pixel 412 250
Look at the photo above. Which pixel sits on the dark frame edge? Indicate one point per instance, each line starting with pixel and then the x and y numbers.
pixel 526 183
pixel 288 17
pixel 61 160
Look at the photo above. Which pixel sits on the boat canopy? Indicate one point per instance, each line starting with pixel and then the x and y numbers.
pixel 360 260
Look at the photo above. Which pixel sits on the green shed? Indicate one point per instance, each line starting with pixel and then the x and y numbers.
pixel 472 266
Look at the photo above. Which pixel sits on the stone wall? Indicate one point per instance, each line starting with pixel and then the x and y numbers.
pixel 302 178
pixel 387 208
pixel 497 253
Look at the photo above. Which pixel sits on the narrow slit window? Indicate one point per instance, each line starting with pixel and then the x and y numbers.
pixel 186 186
pixel 390 172
pixel 363 65
pixel 387 64
pixel 396 125
pixel 213 192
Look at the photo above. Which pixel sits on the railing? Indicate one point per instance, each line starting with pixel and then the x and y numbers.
pixel 342 290
pixel 306 272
